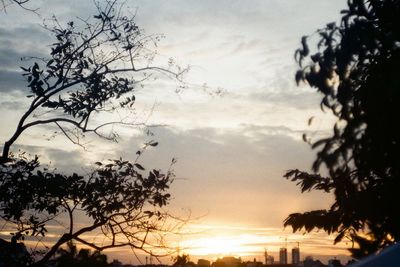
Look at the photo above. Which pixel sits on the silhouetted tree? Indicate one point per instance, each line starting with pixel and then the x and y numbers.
pixel 13 254
pixel 181 260
pixel 88 72
pixel 70 256
pixel 356 70
pixel 121 202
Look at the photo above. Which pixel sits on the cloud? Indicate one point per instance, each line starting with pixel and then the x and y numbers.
pixel 296 98
pixel 30 40
pixel 11 81
pixel 15 45
pixel 64 161
pixel 10 58
pixel 227 174
pixel 247 46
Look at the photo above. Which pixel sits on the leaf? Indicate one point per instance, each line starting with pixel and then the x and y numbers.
pixel 149 213
pixel 140 167
pixel 310 120
pixel 331 25
pixel 306 50
pixel 153 144
pixel 299 76
pixel 304 136
pixel 339 237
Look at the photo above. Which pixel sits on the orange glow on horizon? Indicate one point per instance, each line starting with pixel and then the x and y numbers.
pixel 224 245
pixel 212 241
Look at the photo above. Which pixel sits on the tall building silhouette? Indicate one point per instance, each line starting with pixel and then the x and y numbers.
pixel 283 256
pixel 296 256
pixel 266 256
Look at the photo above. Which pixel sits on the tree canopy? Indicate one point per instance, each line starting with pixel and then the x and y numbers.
pixel 355 68
pixel 71 256
pixel 93 67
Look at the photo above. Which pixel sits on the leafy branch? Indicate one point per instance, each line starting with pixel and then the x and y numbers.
pixel 89 72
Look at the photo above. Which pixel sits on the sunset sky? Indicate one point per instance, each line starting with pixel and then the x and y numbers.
pixel 232 149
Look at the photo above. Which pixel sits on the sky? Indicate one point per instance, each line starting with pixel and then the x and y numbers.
pixel 232 148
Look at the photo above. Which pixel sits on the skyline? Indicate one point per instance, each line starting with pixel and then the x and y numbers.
pixel 232 149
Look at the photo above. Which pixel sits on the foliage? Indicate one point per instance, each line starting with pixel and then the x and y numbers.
pixel 356 70
pixel 119 199
pixel 93 68
pixel 14 254
pixel 70 256
pixel 181 260
pixel 88 72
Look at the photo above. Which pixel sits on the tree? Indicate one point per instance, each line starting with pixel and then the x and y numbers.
pixel 88 72
pixel 82 258
pixel 13 254
pixel 181 260
pixel 121 202
pixel 356 70
pixel 21 3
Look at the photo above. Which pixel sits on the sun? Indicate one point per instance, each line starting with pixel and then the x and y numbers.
pixel 240 245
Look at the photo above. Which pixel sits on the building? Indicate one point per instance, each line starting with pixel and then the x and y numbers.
pixel 266 256
pixel 228 262
pixel 253 263
pixel 283 256
pixel 203 263
pixel 296 256
pixel 270 260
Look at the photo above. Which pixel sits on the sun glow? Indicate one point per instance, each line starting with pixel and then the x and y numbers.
pixel 241 245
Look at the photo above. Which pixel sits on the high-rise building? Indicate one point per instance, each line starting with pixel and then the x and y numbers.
pixel 270 260
pixel 296 256
pixel 283 256
pixel 266 256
